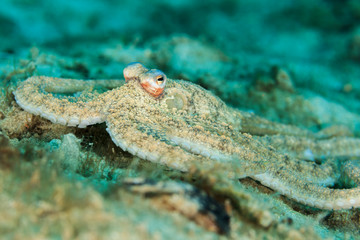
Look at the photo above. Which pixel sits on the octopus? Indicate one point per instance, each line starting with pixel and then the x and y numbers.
pixel 181 125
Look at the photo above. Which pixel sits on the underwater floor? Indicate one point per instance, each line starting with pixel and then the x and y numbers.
pixel 280 96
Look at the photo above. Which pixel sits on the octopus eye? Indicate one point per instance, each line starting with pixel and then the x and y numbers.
pixel 153 81
pixel 159 79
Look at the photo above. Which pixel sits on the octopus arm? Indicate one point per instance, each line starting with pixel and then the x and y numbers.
pixel 56 99
pixel 255 125
pixel 310 194
pixel 155 145
pixel 146 146
pixel 312 149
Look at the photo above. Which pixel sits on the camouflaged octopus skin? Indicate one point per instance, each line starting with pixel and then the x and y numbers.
pixel 186 125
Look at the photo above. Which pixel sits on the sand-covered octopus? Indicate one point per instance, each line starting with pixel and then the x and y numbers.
pixel 182 125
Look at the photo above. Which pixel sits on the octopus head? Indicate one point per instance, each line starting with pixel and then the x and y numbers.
pixel 153 80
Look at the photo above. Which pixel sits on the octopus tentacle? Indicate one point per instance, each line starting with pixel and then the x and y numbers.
pixel 351 172
pixel 311 149
pixel 310 194
pixel 242 147
pixel 255 125
pixel 146 145
pixel 37 95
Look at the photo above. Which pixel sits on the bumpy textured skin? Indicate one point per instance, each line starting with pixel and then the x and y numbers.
pixel 189 126
pixel 36 95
